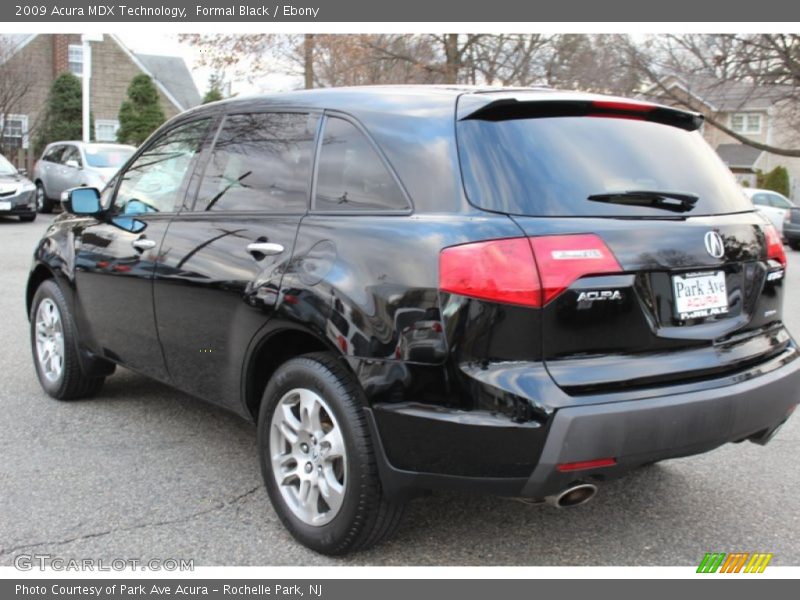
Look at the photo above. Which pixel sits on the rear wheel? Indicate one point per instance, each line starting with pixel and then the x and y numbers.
pixel 55 347
pixel 317 458
pixel 43 203
pixel 795 245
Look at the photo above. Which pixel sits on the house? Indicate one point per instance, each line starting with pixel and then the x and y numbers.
pixel 765 114
pixel 42 57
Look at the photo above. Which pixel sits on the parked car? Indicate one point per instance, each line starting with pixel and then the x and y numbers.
pixel 771 204
pixel 65 165
pixel 17 193
pixel 791 227
pixel 521 292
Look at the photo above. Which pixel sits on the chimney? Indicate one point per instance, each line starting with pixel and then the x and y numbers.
pixel 60 54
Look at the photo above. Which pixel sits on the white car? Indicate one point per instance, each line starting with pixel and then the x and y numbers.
pixel 771 204
pixel 66 165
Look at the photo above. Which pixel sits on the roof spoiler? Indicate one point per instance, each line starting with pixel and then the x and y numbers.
pixel 505 109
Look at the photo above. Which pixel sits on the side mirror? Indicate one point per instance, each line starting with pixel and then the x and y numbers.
pixel 73 163
pixel 81 201
pixel 22 172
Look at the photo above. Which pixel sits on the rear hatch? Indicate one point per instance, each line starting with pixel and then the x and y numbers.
pixel 653 266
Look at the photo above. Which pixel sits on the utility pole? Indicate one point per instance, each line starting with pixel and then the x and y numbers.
pixel 86 40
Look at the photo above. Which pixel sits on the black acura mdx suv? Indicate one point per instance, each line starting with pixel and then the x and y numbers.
pixel 521 291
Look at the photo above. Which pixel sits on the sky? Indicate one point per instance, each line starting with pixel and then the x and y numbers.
pixel 168 44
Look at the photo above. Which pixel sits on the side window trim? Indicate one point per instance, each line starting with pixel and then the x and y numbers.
pixel 381 156
pixel 119 176
pixel 208 152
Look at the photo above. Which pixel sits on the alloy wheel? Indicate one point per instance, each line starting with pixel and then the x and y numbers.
pixel 308 456
pixel 49 339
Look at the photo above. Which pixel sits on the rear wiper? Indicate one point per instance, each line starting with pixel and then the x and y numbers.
pixel 673 201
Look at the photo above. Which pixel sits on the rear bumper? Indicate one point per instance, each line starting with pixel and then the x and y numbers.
pixel 641 431
pixel 444 444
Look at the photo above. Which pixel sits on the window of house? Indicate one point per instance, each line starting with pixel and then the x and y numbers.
pixel 352 175
pixel 75 59
pixel 262 162
pixel 105 130
pixel 746 123
pixel 15 131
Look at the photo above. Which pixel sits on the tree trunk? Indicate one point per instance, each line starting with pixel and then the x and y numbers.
pixel 308 60
pixel 452 58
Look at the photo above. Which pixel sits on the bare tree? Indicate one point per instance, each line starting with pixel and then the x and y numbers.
pixel 758 65
pixel 16 82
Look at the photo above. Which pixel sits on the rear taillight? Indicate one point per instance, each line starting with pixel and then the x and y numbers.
pixel 563 259
pixel 775 249
pixel 497 270
pixel 525 271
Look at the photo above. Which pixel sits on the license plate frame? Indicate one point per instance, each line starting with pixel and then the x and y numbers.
pixel 700 294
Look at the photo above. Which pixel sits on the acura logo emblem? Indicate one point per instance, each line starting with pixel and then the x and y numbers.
pixel 714 244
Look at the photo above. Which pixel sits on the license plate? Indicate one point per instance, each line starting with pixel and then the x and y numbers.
pixel 5 205
pixel 700 294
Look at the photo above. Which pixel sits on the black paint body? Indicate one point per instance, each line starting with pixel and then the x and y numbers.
pixel 459 391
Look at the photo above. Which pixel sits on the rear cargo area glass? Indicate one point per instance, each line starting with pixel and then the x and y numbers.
pixel 549 166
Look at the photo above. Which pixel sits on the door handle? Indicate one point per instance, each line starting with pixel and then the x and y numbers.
pixel 143 244
pixel 265 248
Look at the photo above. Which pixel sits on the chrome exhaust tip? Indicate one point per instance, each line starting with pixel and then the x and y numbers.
pixel 572 496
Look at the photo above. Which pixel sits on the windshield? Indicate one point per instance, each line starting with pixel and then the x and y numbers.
pixel 107 157
pixel 551 166
pixel 6 168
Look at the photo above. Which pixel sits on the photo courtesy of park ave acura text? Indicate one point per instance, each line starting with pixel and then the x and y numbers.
pixel 285 299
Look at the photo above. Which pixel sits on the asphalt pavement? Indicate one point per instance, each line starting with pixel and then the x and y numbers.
pixel 144 471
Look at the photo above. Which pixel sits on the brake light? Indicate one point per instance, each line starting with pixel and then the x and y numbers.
pixel 497 270
pixel 524 271
pixel 612 105
pixel 775 249
pixel 584 465
pixel 621 110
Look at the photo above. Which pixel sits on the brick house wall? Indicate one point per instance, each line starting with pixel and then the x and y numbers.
pixel 46 56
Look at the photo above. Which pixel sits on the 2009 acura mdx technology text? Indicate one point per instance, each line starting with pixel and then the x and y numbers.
pixel 520 291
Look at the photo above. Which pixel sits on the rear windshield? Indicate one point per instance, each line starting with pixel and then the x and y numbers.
pixel 107 157
pixel 549 166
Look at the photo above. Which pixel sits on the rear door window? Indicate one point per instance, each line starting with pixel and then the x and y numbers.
pixel 71 157
pixel 549 166
pixel 53 155
pixel 351 175
pixel 779 201
pixel 260 162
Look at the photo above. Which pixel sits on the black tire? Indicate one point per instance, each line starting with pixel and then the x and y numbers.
pixel 71 384
pixel 794 245
pixel 44 204
pixel 366 515
pixel 28 218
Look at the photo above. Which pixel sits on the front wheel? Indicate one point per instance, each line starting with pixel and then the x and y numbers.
pixel 317 458
pixel 794 245
pixel 55 346
pixel 28 218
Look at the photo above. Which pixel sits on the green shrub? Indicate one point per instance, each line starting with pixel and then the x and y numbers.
pixel 141 113
pixel 776 180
